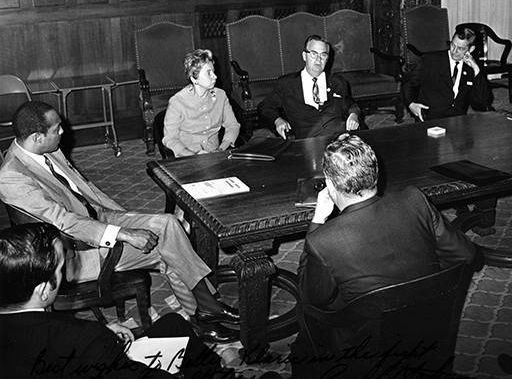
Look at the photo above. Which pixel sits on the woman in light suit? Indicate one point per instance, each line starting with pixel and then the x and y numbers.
pixel 196 113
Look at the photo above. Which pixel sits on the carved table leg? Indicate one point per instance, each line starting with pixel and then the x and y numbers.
pixel 480 220
pixel 254 268
pixel 487 209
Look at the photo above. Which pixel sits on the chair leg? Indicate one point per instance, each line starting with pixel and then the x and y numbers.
pixel 99 315
pixel 143 304
pixel 510 87
pixel 399 111
pixel 120 310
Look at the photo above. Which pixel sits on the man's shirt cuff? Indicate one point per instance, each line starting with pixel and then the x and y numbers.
pixel 109 236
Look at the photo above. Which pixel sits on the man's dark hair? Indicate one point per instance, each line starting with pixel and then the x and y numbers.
pixel 27 258
pixel 30 118
pixel 465 34
pixel 315 37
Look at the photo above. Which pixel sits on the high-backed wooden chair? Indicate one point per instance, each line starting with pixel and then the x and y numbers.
pixel 111 288
pixel 425 30
pixel 420 315
pixel 350 35
pixel 262 49
pixel 160 49
pixel 483 32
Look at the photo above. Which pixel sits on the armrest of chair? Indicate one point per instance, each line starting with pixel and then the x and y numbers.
pixel 148 113
pixel 243 81
pixel 506 51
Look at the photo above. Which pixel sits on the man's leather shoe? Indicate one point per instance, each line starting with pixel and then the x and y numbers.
pixel 214 332
pixel 227 314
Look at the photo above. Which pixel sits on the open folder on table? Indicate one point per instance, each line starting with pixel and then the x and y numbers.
pixel 164 353
pixel 307 191
pixel 471 172
pixel 267 150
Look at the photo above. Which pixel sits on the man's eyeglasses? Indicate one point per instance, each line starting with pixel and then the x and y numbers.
pixel 315 54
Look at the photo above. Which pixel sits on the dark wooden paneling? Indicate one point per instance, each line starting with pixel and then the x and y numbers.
pixel 43 39
pixel 5 4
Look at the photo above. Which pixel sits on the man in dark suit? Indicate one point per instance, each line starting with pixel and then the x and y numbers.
pixel 35 343
pixel 375 241
pixel 310 102
pixel 446 83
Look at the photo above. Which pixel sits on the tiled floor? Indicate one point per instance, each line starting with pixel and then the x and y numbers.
pixel 486 326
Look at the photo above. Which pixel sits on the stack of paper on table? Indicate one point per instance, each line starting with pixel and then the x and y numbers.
pixel 216 187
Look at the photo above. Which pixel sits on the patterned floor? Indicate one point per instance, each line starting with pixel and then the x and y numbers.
pixel 486 326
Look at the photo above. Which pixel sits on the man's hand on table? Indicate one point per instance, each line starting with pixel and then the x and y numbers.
pixel 282 126
pixel 142 239
pixel 352 122
pixel 416 109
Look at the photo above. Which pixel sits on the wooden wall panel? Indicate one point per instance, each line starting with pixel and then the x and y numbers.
pixel 6 4
pixel 45 39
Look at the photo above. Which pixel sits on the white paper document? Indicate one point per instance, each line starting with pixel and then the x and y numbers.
pixel 163 353
pixel 216 187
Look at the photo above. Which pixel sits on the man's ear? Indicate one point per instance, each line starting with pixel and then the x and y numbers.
pixel 42 291
pixel 35 136
pixel 304 56
pixel 330 188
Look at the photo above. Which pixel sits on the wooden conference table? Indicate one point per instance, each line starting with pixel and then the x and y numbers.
pixel 251 221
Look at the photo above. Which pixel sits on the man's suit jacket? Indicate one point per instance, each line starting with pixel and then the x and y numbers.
pixel 56 345
pixel 287 101
pixel 26 185
pixel 430 83
pixel 378 242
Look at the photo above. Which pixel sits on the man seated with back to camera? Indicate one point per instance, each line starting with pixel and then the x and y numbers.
pixel 37 178
pixel 311 102
pixel 374 241
pixel 35 343
pixel 446 83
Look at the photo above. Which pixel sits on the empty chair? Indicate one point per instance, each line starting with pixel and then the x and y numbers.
pixel 425 30
pixel 419 317
pixel 111 288
pixel 483 33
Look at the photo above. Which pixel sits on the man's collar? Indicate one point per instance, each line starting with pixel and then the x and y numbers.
pixel 37 157
pixel 306 74
pixel 361 204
